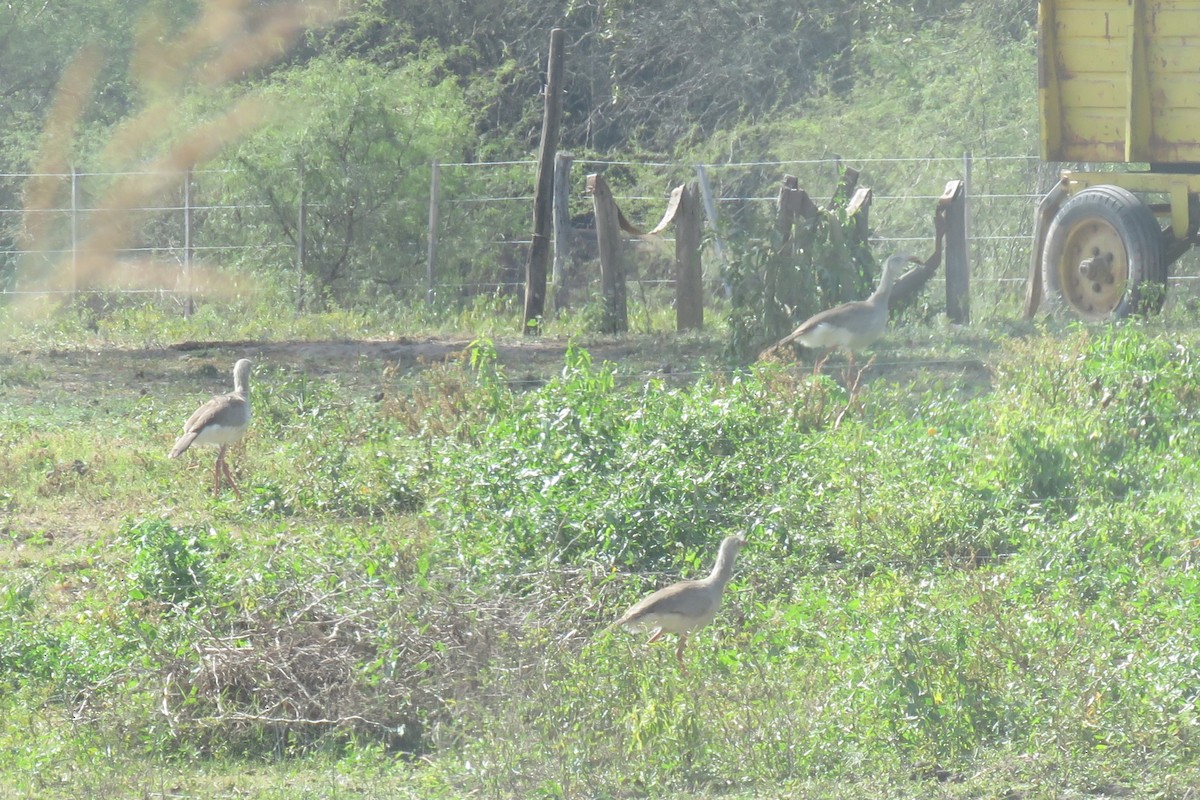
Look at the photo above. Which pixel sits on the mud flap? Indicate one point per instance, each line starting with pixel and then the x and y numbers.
pixel 1046 211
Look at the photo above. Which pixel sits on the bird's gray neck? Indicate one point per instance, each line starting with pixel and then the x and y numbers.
pixel 241 382
pixel 885 284
pixel 722 570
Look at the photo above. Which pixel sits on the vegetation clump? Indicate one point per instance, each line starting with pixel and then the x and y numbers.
pixel 990 582
pixel 970 573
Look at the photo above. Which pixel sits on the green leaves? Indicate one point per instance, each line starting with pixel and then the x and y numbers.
pixel 955 577
pixel 169 564
pixel 775 285
pixel 357 161
pixel 587 469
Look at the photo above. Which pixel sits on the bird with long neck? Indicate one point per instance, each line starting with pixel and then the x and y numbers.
pixel 220 422
pixel 852 326
pixel 685 606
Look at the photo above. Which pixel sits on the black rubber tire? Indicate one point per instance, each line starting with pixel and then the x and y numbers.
pixel 1110 224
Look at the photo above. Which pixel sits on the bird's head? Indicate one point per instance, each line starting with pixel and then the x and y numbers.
pixel 731 545
pixel 894 266
pixel 897 262
pixel 241 373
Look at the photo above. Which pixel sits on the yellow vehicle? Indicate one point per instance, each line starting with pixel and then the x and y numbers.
pixel 1119 83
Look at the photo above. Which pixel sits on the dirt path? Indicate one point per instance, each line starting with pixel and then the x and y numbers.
pixel 103 371
pixel 518 354
pixel 353 361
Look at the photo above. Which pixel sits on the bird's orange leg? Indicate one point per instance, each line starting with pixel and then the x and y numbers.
pixel 229 478
pixel 222 468
pixel 679 651
pixel 217 471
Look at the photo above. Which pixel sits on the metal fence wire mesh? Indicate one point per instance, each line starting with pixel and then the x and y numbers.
pixel 469 235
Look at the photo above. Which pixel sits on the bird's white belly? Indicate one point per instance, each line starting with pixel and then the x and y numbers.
pixel 217 435
pixel 679 623
pixel 825 335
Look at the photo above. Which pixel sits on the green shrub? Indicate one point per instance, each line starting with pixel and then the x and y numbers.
pixel 169 564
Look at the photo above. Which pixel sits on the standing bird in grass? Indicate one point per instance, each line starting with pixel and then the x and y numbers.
pixel 852 326
pixel 685 606
pixel 220 422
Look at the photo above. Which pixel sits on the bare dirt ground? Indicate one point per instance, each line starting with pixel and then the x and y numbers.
pixel 520 359
pixel 535 355
pixel 358 364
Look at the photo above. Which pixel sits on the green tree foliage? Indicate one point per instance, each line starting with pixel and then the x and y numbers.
pixel 637 72
pixel 776 285
pixel 36 40
pixel 665 74
pixel 357 140
pixel 370 102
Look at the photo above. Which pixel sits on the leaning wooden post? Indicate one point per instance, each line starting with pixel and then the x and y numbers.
pixel 859 208
pixel 689 269
pixel 958 269
pixel 539 250
pixel 562 229
pixel 612 268
pixel 1046 210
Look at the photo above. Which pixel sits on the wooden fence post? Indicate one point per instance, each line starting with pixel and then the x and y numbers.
pixel 562 229
pixel 792 205
pixel 859 207
pixel 689 269
pixel 301 223
pixel 967 186
pixel 539 250
pixel 958 269
pixel 435 189
pixel 846 187
pixel 785 211
pixel 784 284
pixel 710 208
pixel 612 268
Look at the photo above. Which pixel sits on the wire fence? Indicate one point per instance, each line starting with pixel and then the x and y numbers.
pixel 479 215
pixel 1002 194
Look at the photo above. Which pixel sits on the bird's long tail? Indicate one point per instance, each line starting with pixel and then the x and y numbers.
pixel 184 443
pixel 782 343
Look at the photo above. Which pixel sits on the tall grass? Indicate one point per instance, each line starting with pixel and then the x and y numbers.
pixel 952 588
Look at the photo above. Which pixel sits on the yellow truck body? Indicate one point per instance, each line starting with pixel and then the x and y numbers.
pixel 1119 81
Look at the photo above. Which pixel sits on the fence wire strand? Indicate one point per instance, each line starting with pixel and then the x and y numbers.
pixel 905 191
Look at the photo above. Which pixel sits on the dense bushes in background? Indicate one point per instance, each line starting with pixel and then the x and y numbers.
pixel 363 107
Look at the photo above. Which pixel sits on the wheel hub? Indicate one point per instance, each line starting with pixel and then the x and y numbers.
pixel 1096 284
pixel 1103 248
pixel 1098 268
